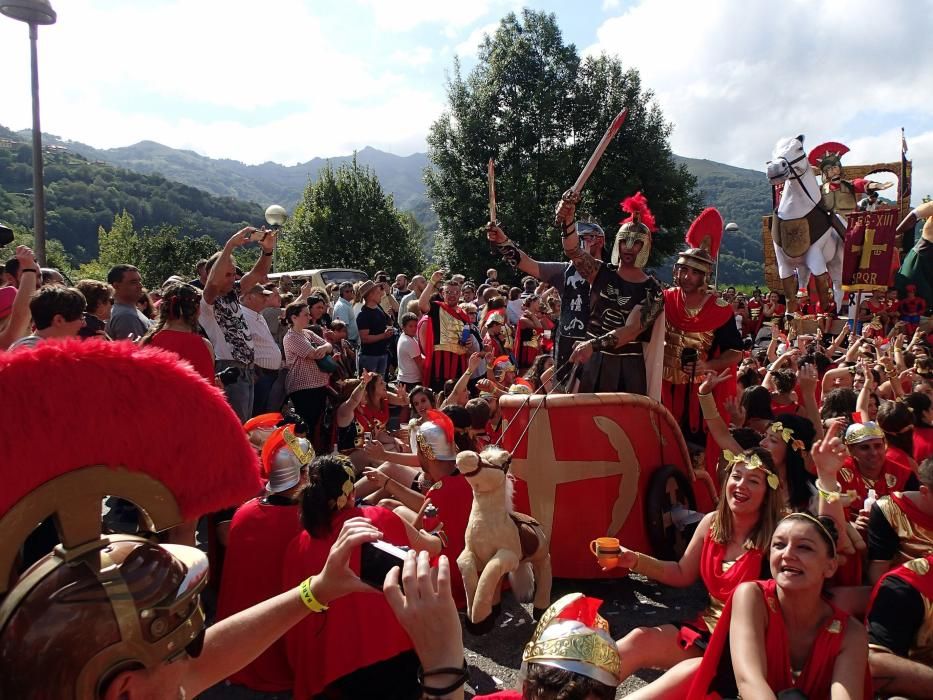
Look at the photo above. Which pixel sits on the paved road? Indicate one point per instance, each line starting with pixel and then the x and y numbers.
pixel 494 659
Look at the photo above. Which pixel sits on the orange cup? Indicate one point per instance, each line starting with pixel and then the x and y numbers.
pixel 607 550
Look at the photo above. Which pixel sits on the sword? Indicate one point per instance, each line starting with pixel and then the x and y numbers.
pixel 600 149
pixel 491 179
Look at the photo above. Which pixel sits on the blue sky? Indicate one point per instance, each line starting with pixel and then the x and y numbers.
pixel 287 80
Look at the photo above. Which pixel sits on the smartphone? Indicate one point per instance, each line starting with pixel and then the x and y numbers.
pixel 376 560
pixel 367 437
pixel 6 235
pixel 256 235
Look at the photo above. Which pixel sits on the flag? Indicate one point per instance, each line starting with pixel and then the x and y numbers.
pixel 903 181
pixel 869 247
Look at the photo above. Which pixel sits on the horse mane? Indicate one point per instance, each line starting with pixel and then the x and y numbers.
pixel 498 458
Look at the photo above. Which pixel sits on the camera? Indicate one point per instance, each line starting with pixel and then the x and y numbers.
pixel 688 356
pixel 229 376
pixel 6 235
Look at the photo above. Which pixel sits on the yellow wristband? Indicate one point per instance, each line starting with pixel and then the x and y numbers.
pixel 307 597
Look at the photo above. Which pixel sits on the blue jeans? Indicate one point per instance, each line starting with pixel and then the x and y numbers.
pixel 239 393
pixel 268 392
pixel 374 363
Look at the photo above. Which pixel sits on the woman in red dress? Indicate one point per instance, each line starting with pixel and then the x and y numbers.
pixel 360 645
pixel 530 331
pixel 727 548
pixel 784 635
pixel 177 329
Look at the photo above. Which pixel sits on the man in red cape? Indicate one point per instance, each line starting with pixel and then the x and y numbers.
pixel 441 332
pixel 900 617
pixel 701 335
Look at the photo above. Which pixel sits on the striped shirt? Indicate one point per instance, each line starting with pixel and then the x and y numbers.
pixel 265 350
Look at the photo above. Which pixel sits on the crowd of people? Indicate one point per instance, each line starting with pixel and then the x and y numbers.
pixel 357 398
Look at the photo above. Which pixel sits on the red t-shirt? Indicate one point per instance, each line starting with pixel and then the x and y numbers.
pixel 357 630
pixel 923 443
pixel 259 536
pixel 188 346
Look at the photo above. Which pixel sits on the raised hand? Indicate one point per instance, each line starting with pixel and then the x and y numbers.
pixel 829 453
pixel 495 234
pixel 566 209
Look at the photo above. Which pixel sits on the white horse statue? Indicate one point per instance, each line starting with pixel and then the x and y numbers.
pixel 807 238
pixel 500 542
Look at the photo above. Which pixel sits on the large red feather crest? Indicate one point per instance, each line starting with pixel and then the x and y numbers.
pixel 637 207
pixel 830 148
pixel 706 231
pixel 442 420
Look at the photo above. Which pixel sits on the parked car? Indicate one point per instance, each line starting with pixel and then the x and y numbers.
pixel 322 277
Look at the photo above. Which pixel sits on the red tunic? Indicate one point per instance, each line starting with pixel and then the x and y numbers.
pixel 781 409
pixel 372 420
pixel 892 478
pixel 259 536
pixel 440 364
pixel 814 681
pixel 897 456
pixel 923 583
pixel 720 583
pixel 453 498
pixel 357 630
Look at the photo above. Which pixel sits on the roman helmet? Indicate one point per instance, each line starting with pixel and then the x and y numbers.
pixel 703 238
pixel 827 155
pixel 99 604
pixel 637 227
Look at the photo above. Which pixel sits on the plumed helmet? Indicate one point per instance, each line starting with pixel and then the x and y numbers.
pixel 703 237
pixel 283 457
pixel 637 227
pixel 99 604
pixel 434 437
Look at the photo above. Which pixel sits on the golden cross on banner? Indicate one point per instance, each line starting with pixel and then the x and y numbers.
pixel 868 248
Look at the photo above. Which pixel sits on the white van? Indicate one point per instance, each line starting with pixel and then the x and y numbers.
pixel 322 277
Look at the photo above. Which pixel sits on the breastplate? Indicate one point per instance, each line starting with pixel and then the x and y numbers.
pixel 675 340
pixel 915 540
pixel 841 201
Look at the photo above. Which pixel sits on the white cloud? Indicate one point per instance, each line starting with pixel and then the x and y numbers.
pixel 224 78
pixel 610 5
pixel 469 47
pixel 735 76
pixel 404 15
pixel 414 57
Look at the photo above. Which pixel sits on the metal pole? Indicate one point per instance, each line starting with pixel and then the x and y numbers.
pixel 38 191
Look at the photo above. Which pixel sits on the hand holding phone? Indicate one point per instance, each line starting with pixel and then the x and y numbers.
pixel 377 559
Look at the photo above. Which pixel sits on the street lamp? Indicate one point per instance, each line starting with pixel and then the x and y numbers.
pixel 34 13
pixel 275 217
pixel 731 227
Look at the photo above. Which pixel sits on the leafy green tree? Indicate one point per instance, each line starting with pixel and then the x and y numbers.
pixel 119 245
pixel 538 110
pixel 345 219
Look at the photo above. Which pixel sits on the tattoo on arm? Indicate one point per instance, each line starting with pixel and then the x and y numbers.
pixel 651 307
pixel 585 263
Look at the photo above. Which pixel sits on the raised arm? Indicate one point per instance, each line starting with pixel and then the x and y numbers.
pixel 461 385
pixel 18 325
pixel 714 422
pixel 260 270
pixel 511 253
pixel 224 264
pixel 586 265
pixel 430 289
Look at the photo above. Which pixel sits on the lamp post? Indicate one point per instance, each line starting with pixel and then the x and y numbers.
pixel 731 227
pixel 275 217
pixel 34 13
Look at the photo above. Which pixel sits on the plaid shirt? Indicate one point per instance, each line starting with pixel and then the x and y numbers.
pixel 303 372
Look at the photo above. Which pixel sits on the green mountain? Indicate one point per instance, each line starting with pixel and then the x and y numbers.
pixel 158 184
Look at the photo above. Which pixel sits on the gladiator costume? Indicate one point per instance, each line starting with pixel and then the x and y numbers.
pixel 103 602
pixel 855 485
pixel 900 613
pixel 911 308
pixel 898 530
pixel 755 316
pixel 715 678
pixel 839 195
pixel 259 535
pixel 704 332
pixel 441 334
pixel 612 368
pixel 575 295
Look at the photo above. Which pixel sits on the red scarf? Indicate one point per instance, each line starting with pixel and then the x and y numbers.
pixel 710 316
pixel 720 584
pixel 816 678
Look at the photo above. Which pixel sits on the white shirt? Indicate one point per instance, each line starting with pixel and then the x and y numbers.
pixel 239 346
pixel 408 349
pixel 266 350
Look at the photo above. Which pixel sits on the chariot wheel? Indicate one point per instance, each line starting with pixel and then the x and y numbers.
pixel 668 489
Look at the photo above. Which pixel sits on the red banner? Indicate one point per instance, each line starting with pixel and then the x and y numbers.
pixel 869 250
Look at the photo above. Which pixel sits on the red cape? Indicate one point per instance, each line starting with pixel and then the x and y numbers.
pixel 259 536
pixel 357 630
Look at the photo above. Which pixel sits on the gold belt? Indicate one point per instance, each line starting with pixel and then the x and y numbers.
pixel 451 347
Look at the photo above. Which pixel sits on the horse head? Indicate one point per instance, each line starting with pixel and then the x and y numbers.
pixel 787 160
pixel 486 472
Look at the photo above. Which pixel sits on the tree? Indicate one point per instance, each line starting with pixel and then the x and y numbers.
pixel 538 110
pixel 345 219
